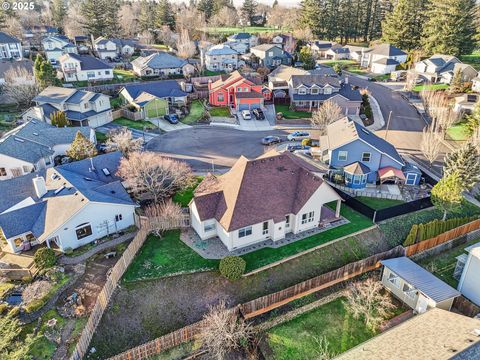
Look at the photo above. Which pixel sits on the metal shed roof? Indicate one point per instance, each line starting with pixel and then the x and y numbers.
pixel 421 279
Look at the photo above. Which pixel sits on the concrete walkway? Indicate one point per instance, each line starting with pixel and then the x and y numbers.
pixel 66 260
pixel 378 120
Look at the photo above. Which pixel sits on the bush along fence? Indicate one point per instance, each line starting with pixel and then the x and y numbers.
pixel 384 214
pixel 146 226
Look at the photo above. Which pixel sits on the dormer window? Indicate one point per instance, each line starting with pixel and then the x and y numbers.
pixel 327 90
pixel 302 91
pixel 314 91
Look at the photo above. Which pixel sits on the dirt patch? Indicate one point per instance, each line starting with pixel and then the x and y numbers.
pixel 142 311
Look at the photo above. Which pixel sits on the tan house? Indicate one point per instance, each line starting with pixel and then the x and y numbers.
pixel 262 199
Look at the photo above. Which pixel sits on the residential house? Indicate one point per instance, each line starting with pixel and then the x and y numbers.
pixel 235 91
pixel 67 206
pixel 154 99
pixel 432 68
pixel 24 67
pixel 467 73
pixel 57 45
pixel 289 197
pixel 383 59
pixel 34 145
pixel 309 92
pixel 468 265
pixel 476 84
pixel 361 157
pixel 434 335
pixel 415 286
pixel 84 68
pixel 286 42
pixel 357 52
pixel 271 55
pixel 221 58
pixel 81 107
pixel 338 53
pixel 239 47
pixel 161 64
pixel 10 47
pixel 319 48
pixel 279 77
pixel 244 38
pixel 465 103
pixel 113 48
pixel 33 35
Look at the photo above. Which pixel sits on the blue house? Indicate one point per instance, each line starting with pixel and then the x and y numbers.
pixel 362 157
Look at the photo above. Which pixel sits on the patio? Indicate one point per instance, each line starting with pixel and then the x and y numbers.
pixel 405 193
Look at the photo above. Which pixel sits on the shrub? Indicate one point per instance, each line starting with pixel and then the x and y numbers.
pixel 68 251
pixel 3 308
pixel 44 258
pixel 232 267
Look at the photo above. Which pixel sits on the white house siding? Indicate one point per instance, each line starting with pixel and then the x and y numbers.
pixel 476 86
pixel 107 54
pixel 11 164
pixel 100 119
pixel 469 284
pixel 397 290
pixel 95 214
pixel 382 69
pixel 12 50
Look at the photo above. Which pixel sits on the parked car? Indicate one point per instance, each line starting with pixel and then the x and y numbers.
pixel 171 118
pixel 270 140
pixel 298 135
pixel 295 147
pixel 259 115
pixel 246 115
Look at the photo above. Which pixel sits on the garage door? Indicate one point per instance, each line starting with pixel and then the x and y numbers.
pixel 255 106
pixel 243 107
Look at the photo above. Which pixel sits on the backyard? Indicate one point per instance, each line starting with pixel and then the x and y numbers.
pixel 458 132
pixel 124 75
pixel 196 111
pixel 183 197
pixel 347 65
pixel 377 203
pixel 430 87
pixel 291 114
pixel 134 124
pixel 472 59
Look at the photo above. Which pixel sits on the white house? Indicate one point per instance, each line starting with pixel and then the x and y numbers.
pixel 432 68
pixel 10 47
pixel 246 38
pixel 67 206
pixel 383 59
pixel 34 145
pixel 467 73
pixel 476 84
pixel 56 45
pixel 112 48
pixel 161 64
pixel 221 58
pixel 415 286
pixel 338 53
pixel 84 68
pixel 81 107
pixel 469 284
pixel 262 200
pixel 320 47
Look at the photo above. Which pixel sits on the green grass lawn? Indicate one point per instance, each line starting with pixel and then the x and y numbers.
pixel 166 256
pixel 220 111
pixel 183 197
pixel 378 204
pixel 5 288
pixel 124 75
pixel 248 29
pixel 430 87
pixel 160 46
pixel 101 137
pixel 134 124
pixel 212 73
pixel 298 338
pixel 116 103
pixel 292 114
pixel 472 59
pixel 196 111
pixel 442 265
pixel 458 132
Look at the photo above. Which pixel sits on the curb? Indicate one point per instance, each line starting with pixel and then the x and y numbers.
pixel 378 120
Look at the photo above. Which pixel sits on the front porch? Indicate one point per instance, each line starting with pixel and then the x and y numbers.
pixel 26 244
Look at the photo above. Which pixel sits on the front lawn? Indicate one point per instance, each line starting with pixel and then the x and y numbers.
pixel 430 87
pixel 378 204
pixel 220 111
pixel 473 59
pixel 134 124
pixel 292 114
pixel 212 73
pixel 299 338
pixel 183 197
pixel 196 111
pixel 458 132
pixel 124 75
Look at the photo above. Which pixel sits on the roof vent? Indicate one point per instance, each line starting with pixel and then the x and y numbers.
pixel 366 131
pixel 35 133
pixel 113 191
pixel 56 192
pixel 87 179
pixel 54 176
pixel 106 172
pixel 19 140
pixel 34 122
pixel 263 160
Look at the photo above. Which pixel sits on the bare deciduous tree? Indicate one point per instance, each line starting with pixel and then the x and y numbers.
pixel 167 36
pixel 164 216
pixel 192 20
pixel 154 175
pixel 20 86
pixel 227 16
pixel 411 80
pixel 224 331
pixel 129 13
pixel 366 300
pixel 304 34
pixel 13 27
pixel 283 17
pixel 185 47
pixel 439 108
pixel 327 113
pixel 431 142
pixel 73 22
pixel 122 140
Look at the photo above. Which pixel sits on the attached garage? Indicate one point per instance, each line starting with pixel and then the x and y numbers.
pixel 248 100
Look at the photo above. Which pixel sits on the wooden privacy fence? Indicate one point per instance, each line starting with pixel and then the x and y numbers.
pixel 146 226
pixel 442 238
pixel 465 306
pixel 268 302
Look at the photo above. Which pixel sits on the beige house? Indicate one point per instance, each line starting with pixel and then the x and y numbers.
pixel 415 286
pixel 262 199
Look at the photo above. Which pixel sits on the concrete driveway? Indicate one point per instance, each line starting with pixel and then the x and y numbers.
pixel 147 136
pixel 166 126
pixel 253 124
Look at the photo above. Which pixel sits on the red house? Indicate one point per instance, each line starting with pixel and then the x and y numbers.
pixel 235 91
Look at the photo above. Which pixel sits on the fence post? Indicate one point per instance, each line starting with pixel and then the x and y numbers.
pixel 374 216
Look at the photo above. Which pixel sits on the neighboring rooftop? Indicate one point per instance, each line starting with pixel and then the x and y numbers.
pixel 7 39
pixel 159 60
pixel 387 50
pixel 6 65
pixel 310 80
pixel 285 72
pixel 241 36
pixel 162 89
pixel 87 62
pixel 221 49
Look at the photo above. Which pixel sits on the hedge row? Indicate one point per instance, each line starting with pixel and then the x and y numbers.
pixel 420 232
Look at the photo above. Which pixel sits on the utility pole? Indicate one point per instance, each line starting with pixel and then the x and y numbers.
pixel 388 124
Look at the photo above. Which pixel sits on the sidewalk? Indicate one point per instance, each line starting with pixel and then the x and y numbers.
pixel 378 120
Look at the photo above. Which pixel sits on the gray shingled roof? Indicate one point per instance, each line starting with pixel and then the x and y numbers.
pixel 387 50
pixel 55 95
pixel 7 39
pixel 159 60
pixel 221 49
pixel 87 62
pixel 314 79
pixel 421 279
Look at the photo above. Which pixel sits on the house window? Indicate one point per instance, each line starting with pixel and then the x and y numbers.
pixel 118 217
pixel 366 156
pixel 208 228
pixel 265 228
pixel 364 179
pixel 239 89
pixel 394 279
pixel 85 106
pixel 220 97
pixel 247 231
pixel 3 171
pixel 48 161
pixel 342 155
pixel 90 74
pixel 107 72
pixel 287 221
pixel 83 230
pixel 409 291
pixel 99 73
pixel 245 89
pixel 302 91
pixel 304 219
pixel 314 91
pixel 26 169
pixel 327 90
pixel 311 215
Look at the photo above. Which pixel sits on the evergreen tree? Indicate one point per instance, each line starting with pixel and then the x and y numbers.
pixel 44 73
pixel 59 12
pixel 94 13
pixel 113 27
pixel 207 7
pixel 473 120
pixel 447 194
pixel 248 10
pixel 456 85
pixel 81 148
pixel 306 57
pixel 466 163
pixel 146 18
pixel 404 25
pixel 450 27
pixel 59 119
pixel 165 15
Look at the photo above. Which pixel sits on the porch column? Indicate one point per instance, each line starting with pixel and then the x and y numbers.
pixel 48 243
pixel 337 209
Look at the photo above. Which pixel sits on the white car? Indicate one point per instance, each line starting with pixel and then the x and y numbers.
pixel 298 135
pixel 246 115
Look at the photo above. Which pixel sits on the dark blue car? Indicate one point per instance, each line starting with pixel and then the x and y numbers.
pixel 171 118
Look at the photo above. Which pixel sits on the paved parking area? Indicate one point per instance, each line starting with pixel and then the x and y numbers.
pixel 253 124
